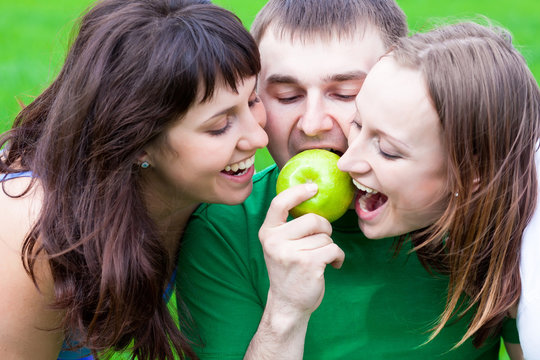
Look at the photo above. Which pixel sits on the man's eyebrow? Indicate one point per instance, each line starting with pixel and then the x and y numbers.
pixel 352 75
pixel 288 79
pixel 281 79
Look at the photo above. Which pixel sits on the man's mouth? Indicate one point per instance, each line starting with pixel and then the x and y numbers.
pixel 335 151
pixel 339 153
pixel 239 168
pixel 369 199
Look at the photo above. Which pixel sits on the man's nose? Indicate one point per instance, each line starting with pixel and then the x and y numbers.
pixel 315 118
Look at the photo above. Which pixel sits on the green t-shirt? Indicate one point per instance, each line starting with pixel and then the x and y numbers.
pixel 376 306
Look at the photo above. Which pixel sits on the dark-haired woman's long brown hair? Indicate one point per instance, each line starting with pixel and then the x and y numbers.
pixel 489 106
pixel 134 67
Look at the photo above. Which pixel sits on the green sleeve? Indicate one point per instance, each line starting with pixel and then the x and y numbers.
pixel 214 283
pixel 509 331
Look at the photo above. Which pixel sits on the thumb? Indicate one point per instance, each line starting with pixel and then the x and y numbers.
pixel 286 200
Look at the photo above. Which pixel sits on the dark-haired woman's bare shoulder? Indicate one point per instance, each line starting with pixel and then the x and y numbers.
pixel 18 212
pixel 28 326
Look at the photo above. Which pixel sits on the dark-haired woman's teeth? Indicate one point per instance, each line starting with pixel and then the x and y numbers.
pixel 242 165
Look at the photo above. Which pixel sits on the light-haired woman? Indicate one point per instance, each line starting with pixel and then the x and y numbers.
pixel 443 152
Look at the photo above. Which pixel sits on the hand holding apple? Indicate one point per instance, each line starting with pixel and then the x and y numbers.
pixel 318 166
pixel 296 252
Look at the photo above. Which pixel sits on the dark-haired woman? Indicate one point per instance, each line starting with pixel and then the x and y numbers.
pixel 153 112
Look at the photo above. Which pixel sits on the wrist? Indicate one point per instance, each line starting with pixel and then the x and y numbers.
pixel 283 320
pixel 281 333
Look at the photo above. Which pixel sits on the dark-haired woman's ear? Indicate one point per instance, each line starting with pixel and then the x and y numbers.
pixel 143 160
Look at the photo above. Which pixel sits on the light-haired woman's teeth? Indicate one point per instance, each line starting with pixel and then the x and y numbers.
pixel 242 165
pixel 364 188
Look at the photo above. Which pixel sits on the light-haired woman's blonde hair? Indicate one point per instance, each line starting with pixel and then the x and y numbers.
pixel 488 103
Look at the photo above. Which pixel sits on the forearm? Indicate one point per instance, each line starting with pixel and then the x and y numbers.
pixel 296 254
pixel 279 336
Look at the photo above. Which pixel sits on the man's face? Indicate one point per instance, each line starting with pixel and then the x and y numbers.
pixel 309 89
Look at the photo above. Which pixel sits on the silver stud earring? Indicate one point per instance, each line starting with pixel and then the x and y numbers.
pixel 456 194
pixel 145 165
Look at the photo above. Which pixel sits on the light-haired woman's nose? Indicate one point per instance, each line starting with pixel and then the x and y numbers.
pixel 353 160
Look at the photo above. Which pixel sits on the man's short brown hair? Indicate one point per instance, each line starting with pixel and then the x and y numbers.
pixel 330 19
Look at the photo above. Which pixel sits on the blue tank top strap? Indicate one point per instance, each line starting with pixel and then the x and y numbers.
pixel 80 354
pixel 170 287
pixel 5 177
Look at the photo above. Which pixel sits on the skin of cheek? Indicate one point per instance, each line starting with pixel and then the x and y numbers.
pixel 279 128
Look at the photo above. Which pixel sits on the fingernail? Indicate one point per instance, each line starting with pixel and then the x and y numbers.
pixel 312 188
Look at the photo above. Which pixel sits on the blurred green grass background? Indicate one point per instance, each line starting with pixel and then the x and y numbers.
pixel 34 36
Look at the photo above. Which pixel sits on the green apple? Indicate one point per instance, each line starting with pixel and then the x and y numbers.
pixel 318 166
